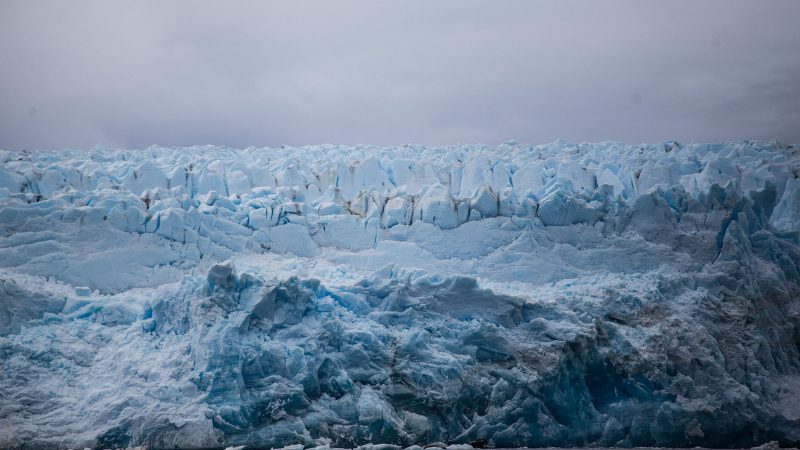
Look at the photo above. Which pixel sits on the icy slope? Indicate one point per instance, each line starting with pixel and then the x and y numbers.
pixel 571 295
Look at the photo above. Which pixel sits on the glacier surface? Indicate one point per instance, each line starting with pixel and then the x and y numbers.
pixel 558 295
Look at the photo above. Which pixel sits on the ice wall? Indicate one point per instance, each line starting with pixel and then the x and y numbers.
pixel 559 295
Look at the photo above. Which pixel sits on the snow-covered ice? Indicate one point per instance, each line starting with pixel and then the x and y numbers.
pixel 571 295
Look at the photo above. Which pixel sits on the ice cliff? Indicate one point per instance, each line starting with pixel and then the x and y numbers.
pixel 558 295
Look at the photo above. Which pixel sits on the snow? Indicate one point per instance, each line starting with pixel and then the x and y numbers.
pixel 323 297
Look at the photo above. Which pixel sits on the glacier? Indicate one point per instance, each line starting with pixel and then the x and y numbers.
pixel 594 294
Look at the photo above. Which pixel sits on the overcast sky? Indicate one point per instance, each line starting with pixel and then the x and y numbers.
pixel 132 74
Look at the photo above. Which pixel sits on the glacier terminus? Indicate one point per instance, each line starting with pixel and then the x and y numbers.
pixel 594 294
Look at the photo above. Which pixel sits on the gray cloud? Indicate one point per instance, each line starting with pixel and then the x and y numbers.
pixel 79 74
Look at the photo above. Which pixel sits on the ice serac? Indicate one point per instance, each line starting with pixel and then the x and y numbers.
pixel 558 295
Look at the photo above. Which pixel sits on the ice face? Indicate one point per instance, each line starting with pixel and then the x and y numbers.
pixel 568 295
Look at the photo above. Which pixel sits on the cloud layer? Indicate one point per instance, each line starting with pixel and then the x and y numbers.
pixel 79 74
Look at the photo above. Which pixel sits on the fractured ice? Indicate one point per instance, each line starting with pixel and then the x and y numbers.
pixel 568 295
